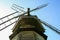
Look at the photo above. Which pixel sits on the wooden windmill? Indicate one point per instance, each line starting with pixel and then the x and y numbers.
pixel 28 27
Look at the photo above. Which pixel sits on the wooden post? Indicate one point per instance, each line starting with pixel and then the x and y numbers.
pixel 28 12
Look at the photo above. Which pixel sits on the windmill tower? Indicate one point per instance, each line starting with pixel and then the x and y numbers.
pixel 28 27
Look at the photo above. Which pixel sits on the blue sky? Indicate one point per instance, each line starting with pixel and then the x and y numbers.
pixel 50 14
